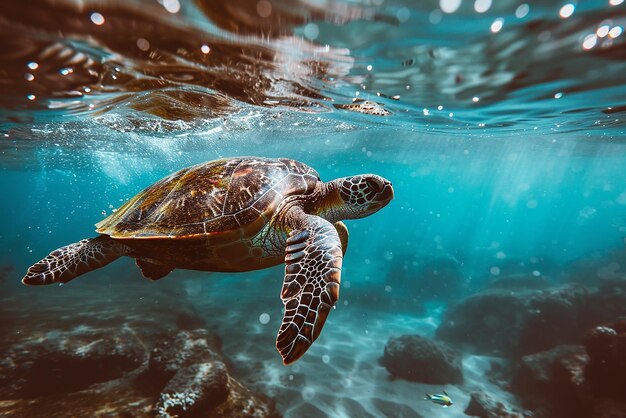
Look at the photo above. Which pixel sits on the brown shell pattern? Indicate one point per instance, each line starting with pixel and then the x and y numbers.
pixel 235 194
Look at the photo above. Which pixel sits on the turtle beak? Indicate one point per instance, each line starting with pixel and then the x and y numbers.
pixel 386 194
pixel 383 197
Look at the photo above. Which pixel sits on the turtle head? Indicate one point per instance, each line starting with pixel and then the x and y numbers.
pixel 363 195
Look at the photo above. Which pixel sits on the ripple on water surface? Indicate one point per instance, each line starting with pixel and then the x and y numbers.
pixel 446 66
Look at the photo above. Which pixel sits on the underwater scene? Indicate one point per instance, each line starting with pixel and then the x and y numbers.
pixel 313 208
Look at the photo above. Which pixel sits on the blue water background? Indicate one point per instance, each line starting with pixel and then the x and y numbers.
pixel 527 181
pixel 548 200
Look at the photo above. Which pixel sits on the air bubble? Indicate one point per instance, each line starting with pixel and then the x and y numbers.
pixel 143 44
pixel 481 6
pixel 97 18
pixel 311 31
pixel 567 10
pixel 522 11
pixel 172 6
pixel 449 6
pixel 497 24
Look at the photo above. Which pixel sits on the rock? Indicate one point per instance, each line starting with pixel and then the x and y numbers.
pixel 608 408
pixel 417 358
pixel 534 374
pixel 64 362
pixel 516 323
pixel 192 372
pixel 244 403
pixel 608 303
pixel 554 381
pixel 484 406
pixel 599 343
pixel 186 348
pixel 606 347
pixel 573 381
pixel 486 323
pixel 189 321
pixel 568 378
pixel 554 317
pixel 194 389
pixel 500 372
pixel 188 378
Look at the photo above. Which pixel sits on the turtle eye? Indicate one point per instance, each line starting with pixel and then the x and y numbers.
pixel 376 185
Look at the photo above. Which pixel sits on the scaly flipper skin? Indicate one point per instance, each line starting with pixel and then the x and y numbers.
pixel 68 262
pixel 313 260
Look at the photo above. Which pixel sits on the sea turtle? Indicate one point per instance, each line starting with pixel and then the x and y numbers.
pixel 234 215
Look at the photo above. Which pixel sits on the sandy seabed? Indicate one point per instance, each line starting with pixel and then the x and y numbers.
pixel 340 376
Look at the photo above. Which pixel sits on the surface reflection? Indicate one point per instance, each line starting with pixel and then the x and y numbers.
pixel 440 64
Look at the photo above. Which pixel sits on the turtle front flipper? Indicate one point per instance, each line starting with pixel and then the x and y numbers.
pixel 68 262
pixel 342 230
pixel 313 260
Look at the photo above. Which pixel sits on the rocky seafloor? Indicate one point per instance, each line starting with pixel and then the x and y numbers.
pixel 197 346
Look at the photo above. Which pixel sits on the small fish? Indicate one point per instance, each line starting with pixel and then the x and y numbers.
pixel 443 400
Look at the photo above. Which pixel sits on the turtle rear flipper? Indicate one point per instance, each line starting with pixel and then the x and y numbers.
pixel 153 271
pixel 68 262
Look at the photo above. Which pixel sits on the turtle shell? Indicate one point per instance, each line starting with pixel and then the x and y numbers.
pixel 230 195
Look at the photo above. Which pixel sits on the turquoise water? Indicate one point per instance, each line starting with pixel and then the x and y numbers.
pixel 506 148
